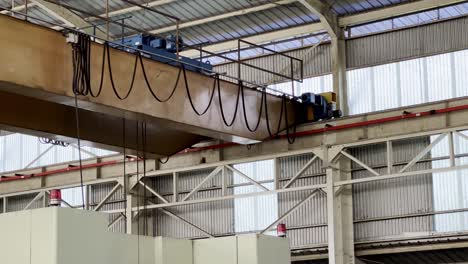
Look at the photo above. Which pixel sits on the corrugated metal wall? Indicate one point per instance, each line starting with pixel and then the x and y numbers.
pixel 307 225
pixel 383 48
pixel 263 210
pixel 18 203
pixel 215 218
pixel 410 82
pixel 117 201
pixel 408 43
pixel 396 197
pixel 451 188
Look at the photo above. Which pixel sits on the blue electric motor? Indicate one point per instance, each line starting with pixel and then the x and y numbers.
pixel 319 106
pixel 165 50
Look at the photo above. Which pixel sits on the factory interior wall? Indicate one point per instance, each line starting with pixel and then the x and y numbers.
pixel 375 82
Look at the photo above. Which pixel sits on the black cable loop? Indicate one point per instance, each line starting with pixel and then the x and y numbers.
pixel 102 73
pixel 112 78
pixel 81 65
pixel 82 86
pixel 259 112
pixel 292 139
pixel 228 124
pixel 164 162
pixel 54 142
pixel 268 118
pixel 149 85
pixel 190 96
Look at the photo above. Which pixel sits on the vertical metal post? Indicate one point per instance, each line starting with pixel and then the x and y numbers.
pixel 292 76
pixel 26 9
pixel 94 33
pixel 331 218
pixel 129 214
pixel 339 212
pixel 338 55
pixel 175 186
pixel 389 157
pixel 451 146
pixel 87 196
pixel 5 204
pixel 276 173
pixel 12 8
pixel 107 19
pixel 123 30
pixel 223 181
pixel 398 77
pixel 239 60
pixel 177 39
pixel 44 200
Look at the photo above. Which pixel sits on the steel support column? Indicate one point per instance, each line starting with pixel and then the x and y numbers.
pixel 338 58
pixel 129 214
pixel 339 211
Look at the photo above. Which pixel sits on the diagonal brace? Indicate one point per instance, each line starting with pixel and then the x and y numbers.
pixel 292 210
pixel 362 164
pixel 160 197
pixel 37 197
pixel 185 222
pixel 300 172
pixel 243 175
pixel 108 196
pixel 423 153
pixel 205 180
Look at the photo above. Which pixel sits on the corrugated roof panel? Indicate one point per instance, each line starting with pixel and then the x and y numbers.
pixel 253 23
pixel 348 7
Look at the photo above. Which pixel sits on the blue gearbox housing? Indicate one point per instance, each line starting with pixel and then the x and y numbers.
pixel 165 51
pixel 317 107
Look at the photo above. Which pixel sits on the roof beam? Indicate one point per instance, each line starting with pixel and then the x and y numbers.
pixel 328 19
pixel 67 17
pixel 17 8
pixel 223 16
pixel 393 11
pixel 133 9
pixel 258 39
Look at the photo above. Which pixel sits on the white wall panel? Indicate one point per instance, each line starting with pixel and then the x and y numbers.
pixel 18 150
pixel 450 188
pixel 254 213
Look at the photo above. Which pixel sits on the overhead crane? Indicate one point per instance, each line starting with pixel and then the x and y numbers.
pixel 36 97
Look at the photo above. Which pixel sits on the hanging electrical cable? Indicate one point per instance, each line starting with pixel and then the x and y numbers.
pixel 221 108
pixel 125 180
pixel 164 162
pixel 82 86
pixel 260 111
pixel 148 85
pixel 77 119
pixel 291 139
pixel 109 65
pixel 53 142
pixel 138 192
pixel 145 198
pixel 190 96
pixel 267 118
pixel 81 52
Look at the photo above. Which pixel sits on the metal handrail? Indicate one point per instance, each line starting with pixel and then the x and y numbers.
pixel 254 86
